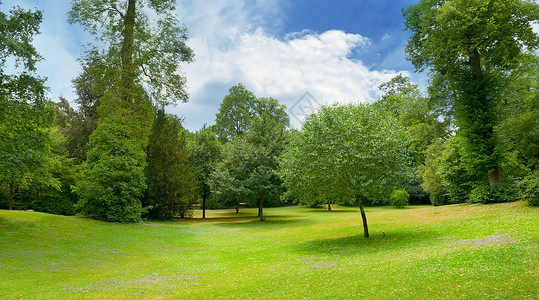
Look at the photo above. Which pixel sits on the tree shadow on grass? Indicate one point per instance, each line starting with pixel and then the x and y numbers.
pixel 269 221
pixel 357 244
pixel 332 211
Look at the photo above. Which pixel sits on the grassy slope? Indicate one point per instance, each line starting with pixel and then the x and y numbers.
pixel 457 251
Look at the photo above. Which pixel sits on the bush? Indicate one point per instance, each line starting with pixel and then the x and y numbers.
pixel 529 188
pixel 400 198
pixel 59 204
pixel 492 194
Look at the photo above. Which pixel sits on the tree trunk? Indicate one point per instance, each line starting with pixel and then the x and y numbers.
pixel 237 208
pixel 363 216
pixel 128 69
pixel 260 207
pixel 204 207
pixel 329 204
pixel 494 177
pixel 11 191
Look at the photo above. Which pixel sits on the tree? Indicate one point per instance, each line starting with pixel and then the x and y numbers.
pixel 472 43
pixel 25 115
pixel 171 179
pixel 140 64
pixel 235 113
pixel 247 171
pixel 76 126
pixel 239 108
pixel 205 152
pixel 355 151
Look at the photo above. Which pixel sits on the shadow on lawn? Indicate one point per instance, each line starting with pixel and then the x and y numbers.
pixel 356 244
pixel 254 221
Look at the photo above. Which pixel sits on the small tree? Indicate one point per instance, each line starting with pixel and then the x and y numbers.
pixel 400 198
pixel 354 151
pixel 204 153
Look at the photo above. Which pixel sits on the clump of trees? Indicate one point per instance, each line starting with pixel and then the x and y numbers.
pixel 475 50
pixel 119 156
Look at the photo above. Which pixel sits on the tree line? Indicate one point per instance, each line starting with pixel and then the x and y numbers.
pixel 473 136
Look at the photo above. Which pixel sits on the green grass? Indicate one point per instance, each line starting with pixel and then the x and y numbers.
pixel 460 251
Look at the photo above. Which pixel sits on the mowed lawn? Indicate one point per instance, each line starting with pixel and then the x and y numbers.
pixel 458 251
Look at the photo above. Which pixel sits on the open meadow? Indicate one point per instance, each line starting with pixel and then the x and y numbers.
pixel 421 252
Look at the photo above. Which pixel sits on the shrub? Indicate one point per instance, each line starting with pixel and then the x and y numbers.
pixel 529 188
pixel 57 204
pixel 400 198
pixel 492 194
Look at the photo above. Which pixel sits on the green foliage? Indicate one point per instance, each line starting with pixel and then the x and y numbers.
pixel 485 194
pixel 444 34
pixel 529 188
pixel 240 107
pixel 158 45
pixel 444 176
pixel 235 113
pixel 400 198
pixel 473 45
pixel 204 152
pixel 76 127
pixel 247 171
pixel 351 149
pixel 171 179
pixel 114 175
pixel 347 152
pixel 25 115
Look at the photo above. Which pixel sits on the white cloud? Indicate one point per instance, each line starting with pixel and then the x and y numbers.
pixel 231 47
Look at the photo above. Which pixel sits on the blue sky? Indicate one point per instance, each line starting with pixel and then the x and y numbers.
pixel 338 51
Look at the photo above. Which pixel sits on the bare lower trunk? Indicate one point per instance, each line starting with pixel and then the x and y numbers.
pixel 260 207
pixel 363 216
pixel 11 191
pixel 329 205
pixel 203 207
pixel 494 177
pixel 237 208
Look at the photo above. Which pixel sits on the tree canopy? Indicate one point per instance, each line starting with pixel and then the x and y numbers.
pixel 355 151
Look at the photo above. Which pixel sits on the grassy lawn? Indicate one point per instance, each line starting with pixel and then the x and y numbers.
pixel 459 251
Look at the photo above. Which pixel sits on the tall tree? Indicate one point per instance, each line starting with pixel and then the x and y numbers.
pixel 204 153
pixel 472 43
pixel 142 56
pixel 171 179
pixel 247 171
pixel 25 115
pixel 355 151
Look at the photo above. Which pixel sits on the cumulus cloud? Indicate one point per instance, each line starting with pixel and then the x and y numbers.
pixel 231 47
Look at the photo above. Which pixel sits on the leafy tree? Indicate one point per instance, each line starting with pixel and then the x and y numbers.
pixel 519 130
pixel 472 43
pixel 356 151
pixel 53 192
pixel 235 113
pixel 400 198
pixel 239 108
pixel 140 62
pixel 171 179
pixel 247 171
pixel 76 127
pixel 205 152
pixel 25 115
pixel 113 174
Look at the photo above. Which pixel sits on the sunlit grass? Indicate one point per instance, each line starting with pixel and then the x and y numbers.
pixel 460 251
